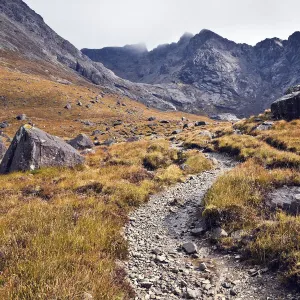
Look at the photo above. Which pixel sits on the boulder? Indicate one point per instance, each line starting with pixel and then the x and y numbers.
pixel 4 124
pixel 189 125
pixel 200 123
pixel 151 119
pixel 265 126
pixel 21 117
pixel 33 148
pixel 81 142
pixel 287 107
pixel 2 149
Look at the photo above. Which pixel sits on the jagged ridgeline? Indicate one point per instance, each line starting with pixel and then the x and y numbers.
pixel 215 73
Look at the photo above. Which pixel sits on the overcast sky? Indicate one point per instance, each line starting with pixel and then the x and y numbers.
pixel 100 23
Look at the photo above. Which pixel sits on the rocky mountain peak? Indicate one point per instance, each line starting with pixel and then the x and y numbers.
pixel 138 48
pixel 294 38
pixel 185 37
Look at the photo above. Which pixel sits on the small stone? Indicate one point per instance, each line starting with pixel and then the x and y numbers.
pixel 191 294
pixel 190 248
pixel 21 117
pixel 146 284
pixel 233 292
pixel 226 285
pixel 202 267
pixel 218 233
pixel 87 296
pixel 198 231
pixel 253 272
pixel 68 106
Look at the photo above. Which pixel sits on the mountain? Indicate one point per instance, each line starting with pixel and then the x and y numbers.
pixel 25 40
pixel 215 73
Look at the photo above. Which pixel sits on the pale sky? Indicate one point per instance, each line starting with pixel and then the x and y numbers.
pixel 101 23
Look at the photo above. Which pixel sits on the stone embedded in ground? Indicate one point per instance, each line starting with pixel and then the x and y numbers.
pixel 198 231
pixel 151 119
pixel 33 148
pixel 177 202
pixel 189 125
pixel 21 117
pixel 87 151
pixel 177 131
pixel 190 248
pixel 200 123
pixel 191 294
pixel 4 124
pixel 286 198
pixel 81 142
pixel 108 142
pixel 218 233
pixel 265 126
pixel 97 132
pixel 68 106
pixel 146 284
pixel 202 267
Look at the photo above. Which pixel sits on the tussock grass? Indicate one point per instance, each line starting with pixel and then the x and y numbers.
pixel 237 201
pixel 246 146
pixel 244 189
pixel 278 243
pixel 196 162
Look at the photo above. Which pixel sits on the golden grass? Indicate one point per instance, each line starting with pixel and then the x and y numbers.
pixel 196 162
pixel 60 229
pixel 278 242
pixel 246 146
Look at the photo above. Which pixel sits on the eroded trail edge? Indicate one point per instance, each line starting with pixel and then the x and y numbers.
pixel 159 268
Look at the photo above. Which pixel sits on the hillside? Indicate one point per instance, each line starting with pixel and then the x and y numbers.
pixel 229 77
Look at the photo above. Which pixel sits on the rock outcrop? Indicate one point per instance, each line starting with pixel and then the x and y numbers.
pixel 81 142
pixel 33 148
pixel 287 107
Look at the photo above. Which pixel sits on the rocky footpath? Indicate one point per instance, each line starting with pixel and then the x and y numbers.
pixel 168 261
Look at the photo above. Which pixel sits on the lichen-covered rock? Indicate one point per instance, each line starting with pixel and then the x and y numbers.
pixel 33 148
pixel 82 142
pixel 287 107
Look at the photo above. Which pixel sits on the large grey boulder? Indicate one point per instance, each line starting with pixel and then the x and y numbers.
pixel 33 148
pixel 287 107
pixel 82 142
pixel 2 149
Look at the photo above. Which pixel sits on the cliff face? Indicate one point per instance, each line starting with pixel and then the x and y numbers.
pixel 226 76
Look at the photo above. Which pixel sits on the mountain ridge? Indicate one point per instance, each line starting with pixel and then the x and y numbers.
pixel 229 76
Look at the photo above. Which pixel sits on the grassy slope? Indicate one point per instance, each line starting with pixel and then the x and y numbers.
pixel 60 229
pixel 237 199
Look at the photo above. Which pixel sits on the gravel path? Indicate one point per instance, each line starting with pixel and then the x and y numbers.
pixel 159 268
